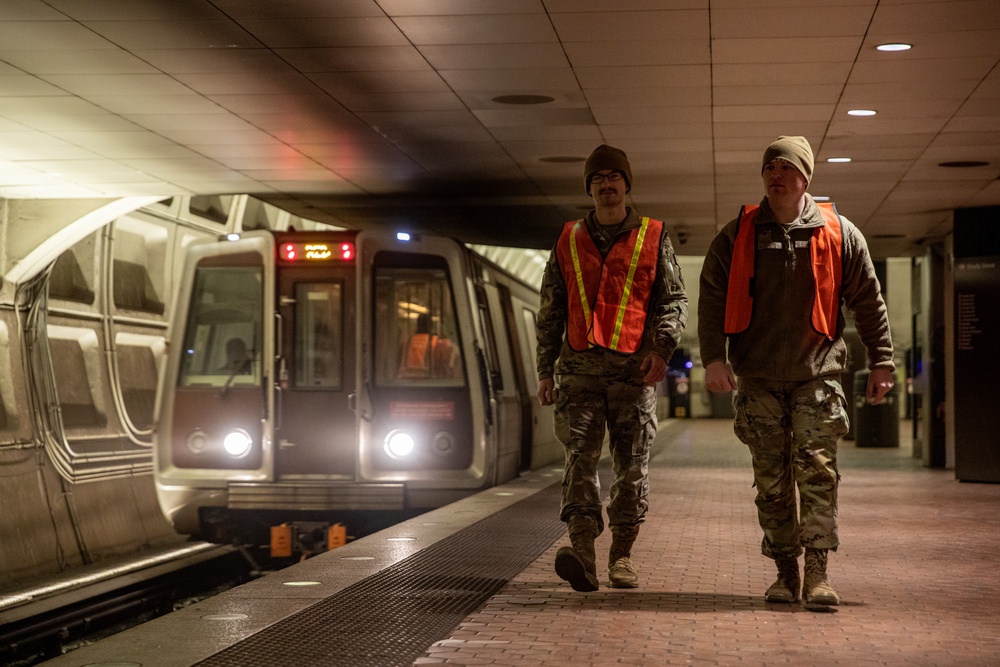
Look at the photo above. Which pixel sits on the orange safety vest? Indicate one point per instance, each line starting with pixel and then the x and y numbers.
pixel 417 359
pixel 608 296
pixel 826 251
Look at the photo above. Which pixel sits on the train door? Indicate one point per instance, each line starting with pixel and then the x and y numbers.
pixel 316 430
pixel 425 414
pixel 519 352
pixel 500 356
pixel 215 409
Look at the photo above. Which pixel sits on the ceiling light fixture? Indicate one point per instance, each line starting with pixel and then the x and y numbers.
pixel 898 46
pixel 523 99
pixel 861 112
pixel 838 159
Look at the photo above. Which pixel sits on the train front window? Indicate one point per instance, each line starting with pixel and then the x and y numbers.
pixel 319 335
pixel 222 342
pixel 416 334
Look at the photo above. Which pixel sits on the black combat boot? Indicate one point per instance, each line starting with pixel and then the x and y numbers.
pixel 786 588
pixel 816 589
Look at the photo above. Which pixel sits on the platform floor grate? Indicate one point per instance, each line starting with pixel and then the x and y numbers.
pixel 392 617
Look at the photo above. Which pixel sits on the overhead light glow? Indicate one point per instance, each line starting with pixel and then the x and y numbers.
pixel 894 47
pixel 861 112
pixel 820 198
pixel 402 236
pixel 838 159
pixel 232 237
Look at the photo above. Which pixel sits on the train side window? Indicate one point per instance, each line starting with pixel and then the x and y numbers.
pixel 319 335
pixel 416 333
pixel 222 342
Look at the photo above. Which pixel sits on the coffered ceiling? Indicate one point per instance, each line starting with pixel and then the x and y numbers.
pixel 472 117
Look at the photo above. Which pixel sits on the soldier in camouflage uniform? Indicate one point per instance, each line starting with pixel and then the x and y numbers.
pixel 603 385
pixel 772 286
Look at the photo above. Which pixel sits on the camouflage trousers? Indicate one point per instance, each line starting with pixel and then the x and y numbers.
pixel 792 430
pixel 587 406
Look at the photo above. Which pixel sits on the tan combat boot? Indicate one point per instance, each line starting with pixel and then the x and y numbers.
pixel 786 587
pixel 621 571
pixel 816 589
pixel 578 564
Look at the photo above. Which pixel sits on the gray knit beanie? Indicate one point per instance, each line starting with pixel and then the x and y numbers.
pixel 795 150
pixel 607 157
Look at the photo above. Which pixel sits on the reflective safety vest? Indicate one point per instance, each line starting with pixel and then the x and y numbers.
pixel 416 362
pixel 826 251
pixel 607 297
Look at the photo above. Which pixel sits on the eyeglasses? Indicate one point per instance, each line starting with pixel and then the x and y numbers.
pixel 612 177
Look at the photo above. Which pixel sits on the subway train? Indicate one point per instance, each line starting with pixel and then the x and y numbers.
pixel 88 333
pixel 313 378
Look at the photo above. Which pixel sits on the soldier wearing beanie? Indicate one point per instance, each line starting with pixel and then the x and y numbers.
pixel 770 325
pixel 607 157
pixel 612 311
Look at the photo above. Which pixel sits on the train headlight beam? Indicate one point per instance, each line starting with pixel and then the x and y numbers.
pixel 398 444
pixel 237 443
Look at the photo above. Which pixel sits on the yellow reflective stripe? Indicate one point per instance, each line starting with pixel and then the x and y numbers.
pixel 579 273
pixel 628 283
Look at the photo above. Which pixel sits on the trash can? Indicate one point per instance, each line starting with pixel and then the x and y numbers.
pixel 875 425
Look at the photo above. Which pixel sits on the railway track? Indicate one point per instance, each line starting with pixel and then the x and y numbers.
pixel 52 619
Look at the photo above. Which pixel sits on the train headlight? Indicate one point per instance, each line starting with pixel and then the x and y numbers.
pixel 197 441
pixel 443 442
pixel 238 443
pixel 398 444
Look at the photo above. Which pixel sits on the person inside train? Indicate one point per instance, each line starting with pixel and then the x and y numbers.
pixel 613 307
pixel 238 361
pixel 771 329
pixel 427 355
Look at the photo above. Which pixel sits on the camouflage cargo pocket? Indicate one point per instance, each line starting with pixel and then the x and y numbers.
pixel 835 405
pixel 560 418
pixel 742 424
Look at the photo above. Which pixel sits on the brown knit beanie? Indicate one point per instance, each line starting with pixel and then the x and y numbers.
pixel 795 150
pixel 607 157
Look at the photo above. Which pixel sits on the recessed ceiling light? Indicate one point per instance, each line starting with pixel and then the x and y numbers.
pixel 861 112
pixel 523 99
pixel 959 164
pixel 894 47
pixel 838 159
pixel 563 158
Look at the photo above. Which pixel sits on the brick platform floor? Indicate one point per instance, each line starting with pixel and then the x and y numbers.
pixel 918 572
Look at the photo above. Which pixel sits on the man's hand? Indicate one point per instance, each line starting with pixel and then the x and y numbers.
pixel 655 367
pixel 546 389
pixel 719 377
pixel 880 381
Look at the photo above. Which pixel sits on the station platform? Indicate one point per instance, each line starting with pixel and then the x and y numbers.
pixel 473 583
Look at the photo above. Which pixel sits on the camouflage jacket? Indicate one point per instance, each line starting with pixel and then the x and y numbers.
pixel 666 312
pixel 780 343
